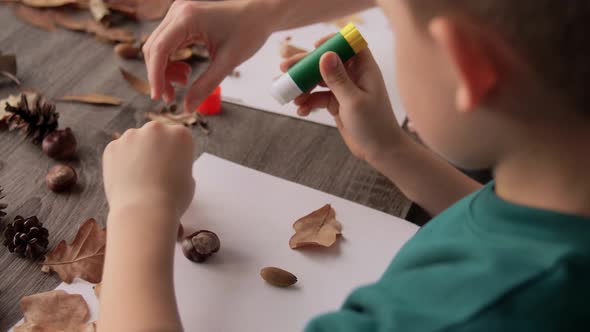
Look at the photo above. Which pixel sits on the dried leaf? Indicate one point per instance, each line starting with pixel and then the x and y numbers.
pixel 83 258
pixel 110 34
pixel 200 51
pixel 10 77
pixel 99 10
pixel 184 119
pixel 128 51
pixel 94 98
pixel 48 3
pixel 140 85
pixel 36 17
pixel 68 22
pixel 32 327
pixel 319 228
pixel 182 54
pixel 288 50
pixel 55 311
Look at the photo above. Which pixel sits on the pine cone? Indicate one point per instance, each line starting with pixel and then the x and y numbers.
pixel 33 116
pixel 26 237
pixel 2 206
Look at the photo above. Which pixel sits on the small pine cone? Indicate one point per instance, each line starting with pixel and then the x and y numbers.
pixel 2 206
pixel 33 116
pixel 26 237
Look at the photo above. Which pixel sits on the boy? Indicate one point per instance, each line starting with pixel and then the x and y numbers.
pixel 488 83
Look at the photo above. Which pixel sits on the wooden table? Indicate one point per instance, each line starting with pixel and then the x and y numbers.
pixel 63 62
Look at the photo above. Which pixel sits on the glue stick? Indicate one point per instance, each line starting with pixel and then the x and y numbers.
pixel 305 74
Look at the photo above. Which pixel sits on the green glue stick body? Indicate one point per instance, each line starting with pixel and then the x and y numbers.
pixel 305 74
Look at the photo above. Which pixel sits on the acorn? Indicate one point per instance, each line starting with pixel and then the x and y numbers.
pixel 60 144
pixel 200 245
pixel 61 178
pixel 278 277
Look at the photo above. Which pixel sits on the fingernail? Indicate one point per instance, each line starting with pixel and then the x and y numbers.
pixel 332 61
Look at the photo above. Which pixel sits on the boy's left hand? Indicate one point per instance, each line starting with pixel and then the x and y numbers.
pixel 149 168
pixel 357 99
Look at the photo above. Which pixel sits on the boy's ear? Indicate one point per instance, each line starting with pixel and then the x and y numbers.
pixel 467 51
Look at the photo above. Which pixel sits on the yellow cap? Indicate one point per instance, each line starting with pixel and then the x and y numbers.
pixel 354 38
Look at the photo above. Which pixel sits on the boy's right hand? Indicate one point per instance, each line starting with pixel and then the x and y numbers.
pixel 357 99
pixel 149 168
pixel 232 30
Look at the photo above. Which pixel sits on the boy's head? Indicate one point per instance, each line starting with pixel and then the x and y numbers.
pixel 477 74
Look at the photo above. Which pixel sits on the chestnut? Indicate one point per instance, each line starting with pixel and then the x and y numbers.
pixel 60 144
pixel 61 178
pixel 198 246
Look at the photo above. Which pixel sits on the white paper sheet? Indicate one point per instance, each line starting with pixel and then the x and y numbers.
pixel 253 213
pixel 252 88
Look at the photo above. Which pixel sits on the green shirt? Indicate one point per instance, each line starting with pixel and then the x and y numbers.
pixel 482 265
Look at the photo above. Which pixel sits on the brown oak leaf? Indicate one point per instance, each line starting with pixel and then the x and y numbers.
pixel 319 228
pixel 83 258
pixel 140 85
pixel 55 311
pixel 36 17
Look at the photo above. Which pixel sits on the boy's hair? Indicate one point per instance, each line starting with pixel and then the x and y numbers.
pixel 549 34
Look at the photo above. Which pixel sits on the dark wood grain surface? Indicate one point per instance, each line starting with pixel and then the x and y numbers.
pixel 61 63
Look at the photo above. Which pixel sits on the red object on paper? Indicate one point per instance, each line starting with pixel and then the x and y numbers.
pixel 211 105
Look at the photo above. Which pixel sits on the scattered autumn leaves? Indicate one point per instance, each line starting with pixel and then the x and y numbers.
pixel 58 311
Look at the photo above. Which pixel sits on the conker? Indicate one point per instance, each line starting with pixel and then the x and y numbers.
pixel 198 246
pixel 61 178
pixel 60 144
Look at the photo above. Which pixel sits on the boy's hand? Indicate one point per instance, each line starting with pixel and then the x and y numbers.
pixel 150 168
pixel 358 100
pixel 232 30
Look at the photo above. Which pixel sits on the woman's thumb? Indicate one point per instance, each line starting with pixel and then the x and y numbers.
pixel 335 75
